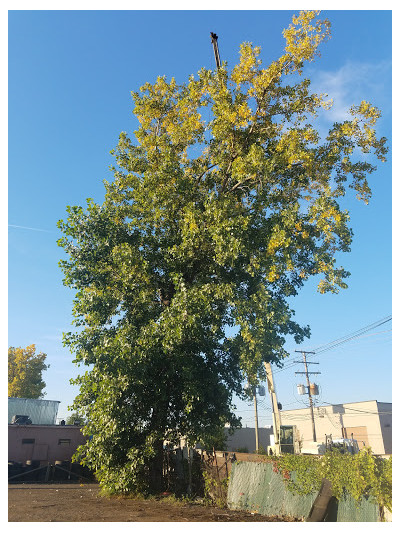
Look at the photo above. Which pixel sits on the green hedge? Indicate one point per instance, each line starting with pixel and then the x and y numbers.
pixel 360 475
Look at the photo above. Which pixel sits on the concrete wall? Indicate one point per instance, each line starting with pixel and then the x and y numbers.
pixel 50 443
pixel 364 419
pixel 246 438
pixel 385 417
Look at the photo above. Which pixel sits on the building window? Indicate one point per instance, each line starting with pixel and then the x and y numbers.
pixel 28 441
pixel 64 442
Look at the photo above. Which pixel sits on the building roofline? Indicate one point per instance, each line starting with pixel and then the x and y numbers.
pixel 33 399
pixel 334 405
pixel 44 426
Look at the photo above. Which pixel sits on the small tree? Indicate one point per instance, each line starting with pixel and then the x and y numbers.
pixel 75 418
pixel 207 224
pixel 25 369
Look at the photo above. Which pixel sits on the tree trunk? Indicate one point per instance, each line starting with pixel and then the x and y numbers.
pixel 156 469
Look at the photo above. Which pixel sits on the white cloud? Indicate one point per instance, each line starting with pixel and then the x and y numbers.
pixel 351 84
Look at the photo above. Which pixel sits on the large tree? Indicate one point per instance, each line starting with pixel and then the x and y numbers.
pixel 208 227
pixel 25 368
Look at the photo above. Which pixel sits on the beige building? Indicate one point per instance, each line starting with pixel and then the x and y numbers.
pixel 369 422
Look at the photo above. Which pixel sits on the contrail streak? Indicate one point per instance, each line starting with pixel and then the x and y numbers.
pixel 32 229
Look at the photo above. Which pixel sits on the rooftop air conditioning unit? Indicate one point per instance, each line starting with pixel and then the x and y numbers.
pixel 21 420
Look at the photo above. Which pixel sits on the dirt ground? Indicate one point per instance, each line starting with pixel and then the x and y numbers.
pixel 82 503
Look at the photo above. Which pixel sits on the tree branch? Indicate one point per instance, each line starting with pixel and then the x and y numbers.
pixel 237 185
pixel 206 170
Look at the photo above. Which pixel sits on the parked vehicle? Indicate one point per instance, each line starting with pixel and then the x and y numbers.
pixel 341 444
pixel 344 446
pixel 289 443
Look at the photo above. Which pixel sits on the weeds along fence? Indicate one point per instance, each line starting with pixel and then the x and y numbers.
pixel 190 472
pixel 257 488
pixel 253 482
pixel 203 473
pixel 336 487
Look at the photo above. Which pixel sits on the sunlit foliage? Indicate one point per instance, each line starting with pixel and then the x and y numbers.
pixel 25 368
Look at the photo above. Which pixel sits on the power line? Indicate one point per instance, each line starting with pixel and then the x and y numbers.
pixel 349 337
pixel 340 353
pixel 358 410
pixel 306 416
pixel 335 343
pixel 331 345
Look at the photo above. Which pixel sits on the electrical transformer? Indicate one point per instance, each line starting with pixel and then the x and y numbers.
pixel 301 389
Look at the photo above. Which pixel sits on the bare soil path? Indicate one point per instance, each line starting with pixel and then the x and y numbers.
pixel 82 503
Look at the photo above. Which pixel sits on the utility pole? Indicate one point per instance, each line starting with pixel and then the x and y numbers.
pixel 214 40
pixel 276 417
pixel 307 373
pixel 256 416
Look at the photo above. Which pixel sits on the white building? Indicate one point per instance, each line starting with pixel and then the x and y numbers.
pixel 369 422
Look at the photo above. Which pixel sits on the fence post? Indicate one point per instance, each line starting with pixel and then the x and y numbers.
pixel 320 507
pixel 47 475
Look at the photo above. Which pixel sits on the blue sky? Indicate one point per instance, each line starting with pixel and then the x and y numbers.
pixel 70 78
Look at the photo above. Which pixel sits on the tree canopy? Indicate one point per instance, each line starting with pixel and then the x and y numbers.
pixel 25 368
pixel 75 418
pixel 183 274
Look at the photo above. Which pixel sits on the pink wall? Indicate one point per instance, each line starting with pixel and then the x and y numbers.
pixel 50 443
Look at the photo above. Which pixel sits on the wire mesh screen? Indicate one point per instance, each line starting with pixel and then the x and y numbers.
pixel 256 487
pixel 39 411
pixel 349 511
